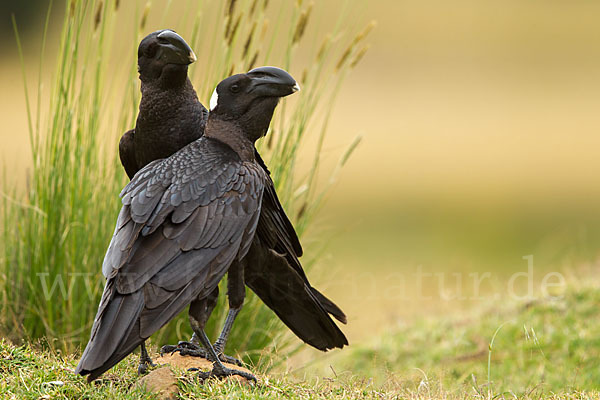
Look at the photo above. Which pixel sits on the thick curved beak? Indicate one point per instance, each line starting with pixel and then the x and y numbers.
pixel 272 82
pixel 175 50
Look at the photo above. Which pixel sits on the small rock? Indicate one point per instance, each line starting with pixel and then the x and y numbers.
pixel 161 381
pixel 187 362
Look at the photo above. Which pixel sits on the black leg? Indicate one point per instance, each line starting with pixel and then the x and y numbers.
pixel 236 293
pixel 199 312
pixel 145 360
pixel 219 370
pixel 222 340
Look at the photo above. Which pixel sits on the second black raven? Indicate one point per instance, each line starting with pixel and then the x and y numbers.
pixel 167 121
pixel 186 221
pixel 170 117
pixel 170 114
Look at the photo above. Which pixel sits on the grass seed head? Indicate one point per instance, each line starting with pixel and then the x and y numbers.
pixel 357 39
pixel 145 16
pixel 98 15
pixel 301 26
pixel 343 58
pixel 302 211
pixel 249 41
pixel 270 139
pixel 323 48
pixel 72 8
pixel 363 34
pixel 230 8
pixel 234 30
pixel 227 26
pixel 265 29
pixel 252 61
pixel 359 56
pixel 253 7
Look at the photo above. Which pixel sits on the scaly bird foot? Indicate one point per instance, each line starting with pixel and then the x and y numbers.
pixel 219 371
pixel 193 350
pixel 185 349
pixel 145 362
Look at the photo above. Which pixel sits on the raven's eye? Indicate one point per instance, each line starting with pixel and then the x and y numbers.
pixel 234 88
pixel 151 50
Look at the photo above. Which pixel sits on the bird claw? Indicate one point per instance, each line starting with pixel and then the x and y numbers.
pixel 181 347
pixel 193 350
pixel 189 345
pixel 184 349
pixel 220 372
pixel 144 365
pixel 167 349
pixel 230 360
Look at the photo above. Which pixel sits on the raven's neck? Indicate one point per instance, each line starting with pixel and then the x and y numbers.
pixel 168 120
pixel 232 135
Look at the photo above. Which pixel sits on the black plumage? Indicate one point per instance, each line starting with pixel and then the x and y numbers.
pixel 159 135
pixel 148 287
pixel 170 114
pixel 154 266
pixel 186 220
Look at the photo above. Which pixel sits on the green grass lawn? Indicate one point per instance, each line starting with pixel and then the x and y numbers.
pixel 547 345
pixel 548 348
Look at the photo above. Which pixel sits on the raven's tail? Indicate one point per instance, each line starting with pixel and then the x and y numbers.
pixel 115 332
pixel 330 306
pixel 302 308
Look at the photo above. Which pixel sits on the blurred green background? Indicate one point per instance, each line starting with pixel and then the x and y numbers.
pixel 481 133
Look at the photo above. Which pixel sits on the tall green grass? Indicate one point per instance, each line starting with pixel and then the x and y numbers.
pixel 55 233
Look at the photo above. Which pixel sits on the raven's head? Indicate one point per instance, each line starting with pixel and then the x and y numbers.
pixel 164 55
pixel 250 99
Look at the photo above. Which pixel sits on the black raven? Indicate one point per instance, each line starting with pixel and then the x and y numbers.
pixel 170 117
pixel 185 222
pixel 167 121
pixel 170 114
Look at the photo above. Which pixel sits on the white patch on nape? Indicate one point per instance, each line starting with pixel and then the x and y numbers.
pixel 214 100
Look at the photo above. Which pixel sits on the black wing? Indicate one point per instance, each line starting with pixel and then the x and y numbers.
pixel 127 153
pixel 277 232
pixel 283 290
pixel 184 220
